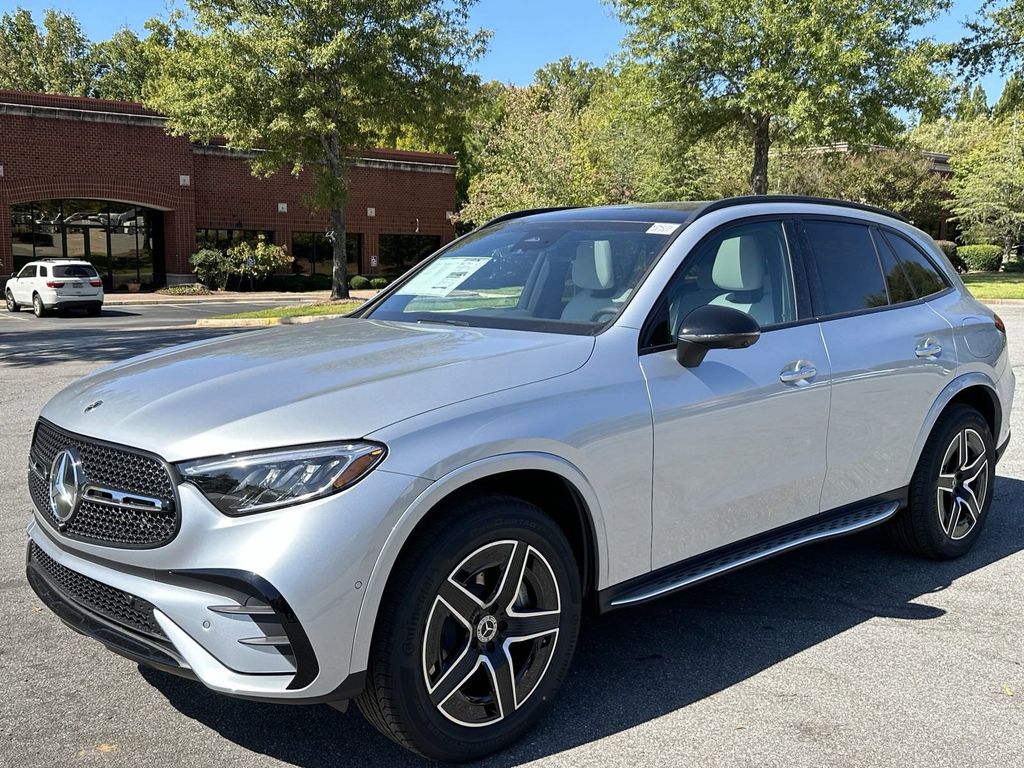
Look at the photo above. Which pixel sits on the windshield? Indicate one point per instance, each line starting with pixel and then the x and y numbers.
pixel 565 276
pixel 74 270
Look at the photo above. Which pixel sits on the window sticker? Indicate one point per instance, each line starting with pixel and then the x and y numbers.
pixel 443 276
pixel 662 229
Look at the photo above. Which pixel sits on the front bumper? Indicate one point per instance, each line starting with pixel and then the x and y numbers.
pixel 303 568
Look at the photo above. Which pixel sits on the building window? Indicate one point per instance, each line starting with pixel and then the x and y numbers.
pixel 399 253
pixel 123 241
pixel 314 253
pixel 222 239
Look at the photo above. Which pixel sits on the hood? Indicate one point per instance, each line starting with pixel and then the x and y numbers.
pixel 296 384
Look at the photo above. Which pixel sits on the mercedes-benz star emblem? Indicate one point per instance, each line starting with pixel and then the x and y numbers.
pixel 65 484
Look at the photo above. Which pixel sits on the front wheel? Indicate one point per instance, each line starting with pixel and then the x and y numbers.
pixel 37 306
pixel 476 633
pixel 951 490
pixel 12 305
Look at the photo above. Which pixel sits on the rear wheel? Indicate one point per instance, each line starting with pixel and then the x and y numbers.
pixel 37 306
pixel 478 634
pixel 12 305
pixel 951 491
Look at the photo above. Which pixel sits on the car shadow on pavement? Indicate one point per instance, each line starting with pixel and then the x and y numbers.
pixel 40 348
pixel 638 664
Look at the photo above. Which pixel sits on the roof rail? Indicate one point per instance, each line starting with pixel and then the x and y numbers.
pixel 729 202
pixel 527 212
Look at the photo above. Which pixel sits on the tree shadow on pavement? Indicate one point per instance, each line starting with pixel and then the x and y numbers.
pixel 638 664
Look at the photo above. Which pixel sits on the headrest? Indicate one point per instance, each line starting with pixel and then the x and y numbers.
pixel 739 265
pixel 592 269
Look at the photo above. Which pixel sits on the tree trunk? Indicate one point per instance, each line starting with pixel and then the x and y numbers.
pixel 339 281
pixel 762 143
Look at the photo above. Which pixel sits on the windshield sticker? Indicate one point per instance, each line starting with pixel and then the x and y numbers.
pixel 662 229
pixel 443 276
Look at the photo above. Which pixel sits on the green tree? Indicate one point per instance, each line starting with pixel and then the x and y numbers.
pixel 310 83
pixel 51 59
pixel 996 38
pixel 807 70
pixel 971 103
pixel 126 65
pixel 577 78
pixel 1011 100
pixel 988 182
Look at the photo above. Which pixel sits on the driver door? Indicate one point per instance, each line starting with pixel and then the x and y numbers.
pixel 21 286
pixel 739 441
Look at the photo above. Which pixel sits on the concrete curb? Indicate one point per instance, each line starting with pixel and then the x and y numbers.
pixel 997 302
pixel 309 297
pixel 257 322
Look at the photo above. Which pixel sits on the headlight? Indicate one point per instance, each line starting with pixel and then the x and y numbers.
pixel 255 482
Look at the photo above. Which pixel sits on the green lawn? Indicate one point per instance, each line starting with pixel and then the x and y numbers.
pixel 995 285
pixel 296 310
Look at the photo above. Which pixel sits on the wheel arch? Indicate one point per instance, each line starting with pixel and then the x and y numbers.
pixel 974 389
pixel 545 480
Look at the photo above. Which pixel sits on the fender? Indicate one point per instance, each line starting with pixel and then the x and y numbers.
pixel 440 489
pixel 955 387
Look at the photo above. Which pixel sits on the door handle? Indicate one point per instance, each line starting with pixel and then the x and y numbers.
pixel 928 348
pixel 796 372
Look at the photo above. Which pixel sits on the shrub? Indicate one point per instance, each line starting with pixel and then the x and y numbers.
pixel 981 258
pixel 359 283
pixel 258 261
pixel 193 289
pixel 212 267
pixel 379 282
pixel 949 248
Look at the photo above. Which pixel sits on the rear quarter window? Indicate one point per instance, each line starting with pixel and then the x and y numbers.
pixel 923 275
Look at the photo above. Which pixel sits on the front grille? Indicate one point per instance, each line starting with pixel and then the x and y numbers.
pixel 113 467
pixel 113 604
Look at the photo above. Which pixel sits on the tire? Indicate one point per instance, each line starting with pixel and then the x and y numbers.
pixel 433 678
pixel 944 522
pixel 37 306
pixel 12 305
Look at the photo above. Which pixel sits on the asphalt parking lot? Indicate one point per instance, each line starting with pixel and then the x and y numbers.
pixel 846 653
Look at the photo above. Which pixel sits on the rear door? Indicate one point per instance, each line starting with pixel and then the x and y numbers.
pixel 739 441
pixel 889 352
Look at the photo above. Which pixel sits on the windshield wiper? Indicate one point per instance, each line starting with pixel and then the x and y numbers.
pixel 443 321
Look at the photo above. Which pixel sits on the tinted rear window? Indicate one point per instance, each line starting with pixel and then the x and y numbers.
pixel 923 275
pixel 849 277
pixel 74 270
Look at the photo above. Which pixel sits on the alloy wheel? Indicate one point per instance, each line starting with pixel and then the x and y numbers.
pixel 491 633
pixel 11 304
pixel 963 484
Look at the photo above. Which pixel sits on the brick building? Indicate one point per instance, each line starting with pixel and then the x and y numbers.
pixel 101 180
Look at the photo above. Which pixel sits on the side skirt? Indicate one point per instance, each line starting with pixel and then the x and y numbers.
pixel 686 573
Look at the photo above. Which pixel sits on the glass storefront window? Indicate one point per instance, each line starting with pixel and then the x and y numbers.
pixel 400 253
pixel 222 239
pixel 314 253
pixel 121 240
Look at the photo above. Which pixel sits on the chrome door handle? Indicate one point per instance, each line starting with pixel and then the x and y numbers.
pixel 928 348
pixel 796 372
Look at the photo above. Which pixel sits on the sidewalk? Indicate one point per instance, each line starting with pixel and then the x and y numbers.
pixel 311 297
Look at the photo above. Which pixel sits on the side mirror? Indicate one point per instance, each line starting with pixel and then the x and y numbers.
pixel 713 327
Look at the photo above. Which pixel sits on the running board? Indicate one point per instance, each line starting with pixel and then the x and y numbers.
pixel 685 574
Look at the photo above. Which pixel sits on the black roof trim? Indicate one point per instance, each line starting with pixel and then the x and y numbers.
pixel 729 202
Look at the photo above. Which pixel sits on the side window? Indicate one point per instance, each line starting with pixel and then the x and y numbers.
pixel 849 275
pixel 745 267
pixel 29 271
pixel 42 272
pixel 924 276
pixel 900 289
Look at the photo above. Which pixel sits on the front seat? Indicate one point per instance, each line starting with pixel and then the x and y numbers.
pixel 739 271
pixel 593 274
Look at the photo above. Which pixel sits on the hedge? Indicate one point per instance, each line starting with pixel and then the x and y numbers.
pixel 949 248
pixel 981 258
pixel 359 283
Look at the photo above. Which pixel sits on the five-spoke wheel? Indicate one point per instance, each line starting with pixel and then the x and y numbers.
pixel 477 630
pixel 951 489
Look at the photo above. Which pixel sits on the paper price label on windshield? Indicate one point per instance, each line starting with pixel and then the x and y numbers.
pixel 662 229
pixel 444 276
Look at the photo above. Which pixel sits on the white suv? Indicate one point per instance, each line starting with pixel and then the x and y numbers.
pixel 55 284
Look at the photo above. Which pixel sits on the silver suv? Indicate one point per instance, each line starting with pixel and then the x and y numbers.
pixel 412 506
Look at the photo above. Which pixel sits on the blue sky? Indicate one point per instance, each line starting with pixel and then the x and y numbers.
pixel 527 33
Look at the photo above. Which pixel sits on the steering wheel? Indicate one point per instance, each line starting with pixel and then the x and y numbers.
pixel 608 312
